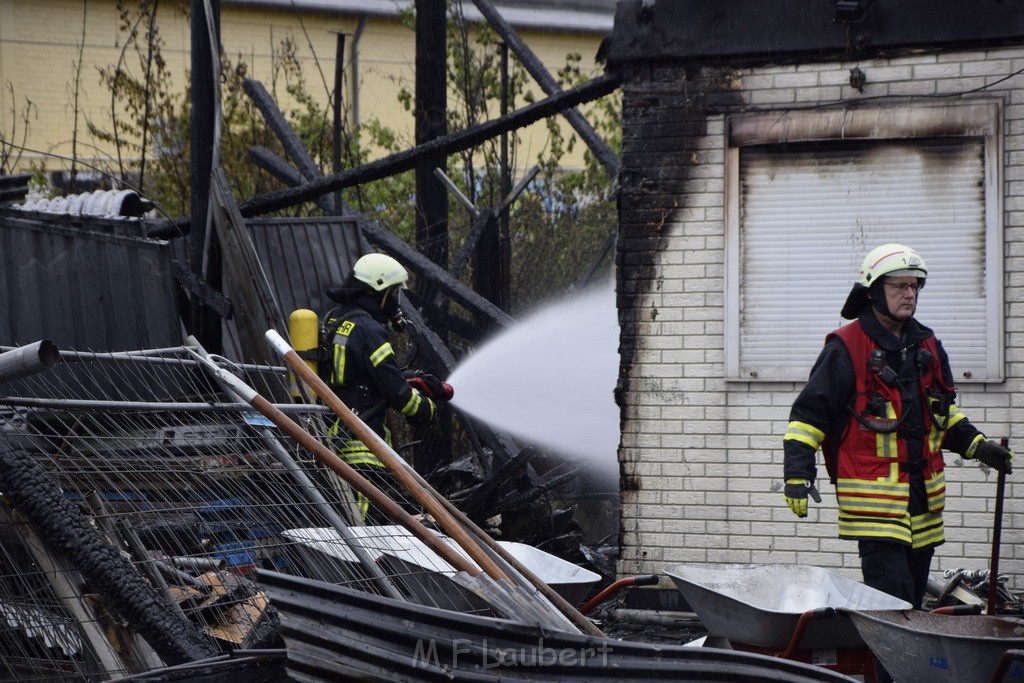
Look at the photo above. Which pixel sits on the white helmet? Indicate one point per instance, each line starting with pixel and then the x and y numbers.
pixel 380 272
pixel 891 259
pixel 888 259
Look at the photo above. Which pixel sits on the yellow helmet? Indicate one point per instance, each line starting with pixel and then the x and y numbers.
pixel 380 272
pixel 888 259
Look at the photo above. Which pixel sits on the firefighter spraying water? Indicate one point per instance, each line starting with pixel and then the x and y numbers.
pixel 563 360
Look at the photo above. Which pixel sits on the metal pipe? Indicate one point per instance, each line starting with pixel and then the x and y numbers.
pixel 152 356
pixel 313 495
pixel 151 406
pixel 28 360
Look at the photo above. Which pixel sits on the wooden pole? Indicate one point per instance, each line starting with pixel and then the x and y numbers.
pixel 384 453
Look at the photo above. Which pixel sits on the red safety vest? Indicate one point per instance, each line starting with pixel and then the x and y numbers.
pixel 871 477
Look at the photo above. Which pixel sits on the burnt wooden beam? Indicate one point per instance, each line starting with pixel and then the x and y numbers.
pixel 286 173
pixel 277 123
pixel 424 267
pixel 204 323
pixel 406 160
pixel 430 114
pixel 201 291
pixel 550 86
pixel 449 144
pixel 387 241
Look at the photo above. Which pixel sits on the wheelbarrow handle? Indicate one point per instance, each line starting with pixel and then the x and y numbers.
pixel 801 626
pixel 1008 658
pixel 639 580
pixel 957 610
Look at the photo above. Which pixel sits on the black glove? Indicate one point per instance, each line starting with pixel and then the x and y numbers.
pixel 995 456
pixel 796 492
pixel 435 387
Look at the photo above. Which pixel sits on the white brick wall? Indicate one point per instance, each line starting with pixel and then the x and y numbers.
pixel 707 454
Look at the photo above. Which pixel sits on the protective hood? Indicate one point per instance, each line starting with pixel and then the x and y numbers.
pixel 856 300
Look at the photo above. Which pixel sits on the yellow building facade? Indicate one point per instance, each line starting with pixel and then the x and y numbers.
pixel 51 52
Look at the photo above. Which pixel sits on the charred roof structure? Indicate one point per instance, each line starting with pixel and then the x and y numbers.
pixel 144 470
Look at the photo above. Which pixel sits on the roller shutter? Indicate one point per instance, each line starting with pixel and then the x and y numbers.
pixel 809 212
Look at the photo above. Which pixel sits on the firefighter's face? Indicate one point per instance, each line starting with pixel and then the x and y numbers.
pixel 901 296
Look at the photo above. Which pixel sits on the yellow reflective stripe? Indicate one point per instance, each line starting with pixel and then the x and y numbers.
pixel 804 433
pixel 378 356
pixel 339 364
pixel 851 526
pixel 886 488
pixel 413 404
pixel 927 529
pixel 936 483
pixel 370 459
pixel 367 459
pixel 974 446
pixel 355 452
pixel 887 498
pixel 363 503
pixel 938 431
pixel 954 416
pixel 873 506
pixel 885 444
pixel 935 490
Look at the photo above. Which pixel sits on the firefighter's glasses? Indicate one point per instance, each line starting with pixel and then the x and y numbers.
pixel 902 287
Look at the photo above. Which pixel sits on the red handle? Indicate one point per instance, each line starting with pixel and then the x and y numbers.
pixel 641 580
pixel 447 391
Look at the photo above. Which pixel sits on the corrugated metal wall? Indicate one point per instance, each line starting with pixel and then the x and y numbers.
pixel 84 289
pixel 302 257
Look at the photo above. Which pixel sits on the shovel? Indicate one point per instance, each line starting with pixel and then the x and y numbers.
pixel 997 531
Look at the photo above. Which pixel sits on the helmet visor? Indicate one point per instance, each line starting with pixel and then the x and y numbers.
pixel 907 272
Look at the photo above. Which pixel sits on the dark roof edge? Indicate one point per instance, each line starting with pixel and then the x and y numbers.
pixel 757 32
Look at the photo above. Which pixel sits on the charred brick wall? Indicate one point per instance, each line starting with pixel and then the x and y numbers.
pixel 669 276
pixel 701 455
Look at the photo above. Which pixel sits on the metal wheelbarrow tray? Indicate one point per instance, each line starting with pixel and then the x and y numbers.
pixel 762 604
pixel 924 646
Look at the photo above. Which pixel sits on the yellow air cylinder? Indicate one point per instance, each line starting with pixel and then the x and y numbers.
pixel 304 330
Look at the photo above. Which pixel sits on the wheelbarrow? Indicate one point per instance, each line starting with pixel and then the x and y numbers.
pixel 926 646
pixel 785 610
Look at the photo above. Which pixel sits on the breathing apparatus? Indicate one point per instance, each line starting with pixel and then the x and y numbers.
pixel 875 417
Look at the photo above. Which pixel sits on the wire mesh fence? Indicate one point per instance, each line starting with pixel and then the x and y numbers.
pixel 142 498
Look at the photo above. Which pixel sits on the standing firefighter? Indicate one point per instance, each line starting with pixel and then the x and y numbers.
pixel 360 366
pixel 880 404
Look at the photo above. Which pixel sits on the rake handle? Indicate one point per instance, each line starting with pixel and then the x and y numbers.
pixel 997 532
